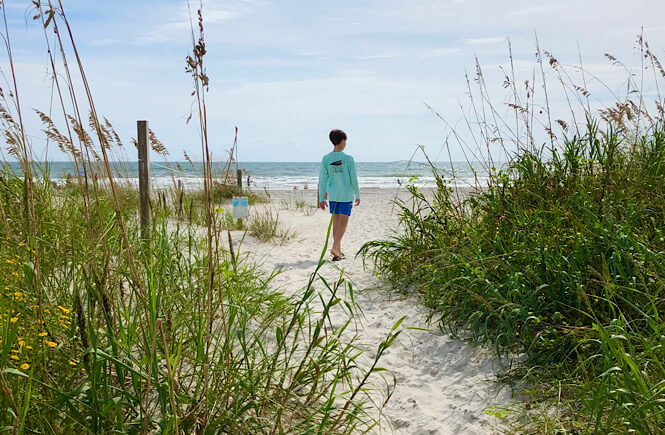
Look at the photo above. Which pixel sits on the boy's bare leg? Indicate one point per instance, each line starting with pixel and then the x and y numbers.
pixel 335 230
pixel 337 242
pixel 340 222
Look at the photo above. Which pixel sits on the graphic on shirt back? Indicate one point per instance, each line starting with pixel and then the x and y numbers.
pixel 337 166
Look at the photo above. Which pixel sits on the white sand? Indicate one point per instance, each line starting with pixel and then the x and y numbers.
pixel 443 384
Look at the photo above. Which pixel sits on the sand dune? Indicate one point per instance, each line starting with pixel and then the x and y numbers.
pixel 444 385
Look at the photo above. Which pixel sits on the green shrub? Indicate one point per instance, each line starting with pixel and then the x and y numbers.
pixel 103 332
pixel 560 259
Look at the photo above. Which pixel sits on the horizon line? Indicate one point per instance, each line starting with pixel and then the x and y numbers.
pixel 254 161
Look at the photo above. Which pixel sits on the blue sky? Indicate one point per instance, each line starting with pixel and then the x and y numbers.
pixel 286 72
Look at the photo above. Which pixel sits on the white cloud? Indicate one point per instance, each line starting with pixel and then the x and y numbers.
pixel 534 10
pixel 105 41
pixel 213 12
pixel 440 52
pixel 308 53
pixel 16 5
pixel 276 62
pixel 379 56
pixel 486 41
pixel 355 95
pixel 215 16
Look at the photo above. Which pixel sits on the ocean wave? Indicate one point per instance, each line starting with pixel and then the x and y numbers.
pixel 299 182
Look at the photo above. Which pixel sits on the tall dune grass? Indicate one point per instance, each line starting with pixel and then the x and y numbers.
pixel 560 257
pixel 103 332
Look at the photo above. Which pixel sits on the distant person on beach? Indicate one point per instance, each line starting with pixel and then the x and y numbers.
pixel 338 183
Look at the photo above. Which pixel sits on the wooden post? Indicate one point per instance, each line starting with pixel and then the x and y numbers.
pixel 144 178
pixel 239 179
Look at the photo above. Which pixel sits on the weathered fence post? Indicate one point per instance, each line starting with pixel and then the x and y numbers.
pixel 144 178
pixel 239 180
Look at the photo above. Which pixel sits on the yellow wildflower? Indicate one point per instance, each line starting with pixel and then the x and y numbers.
pixel 14 319
pixel 21 343
pixel 14 357
pixel 43 334
pixel 25 366
pixel 15 274
pixel 18 295
pixel 28 347
pixel 50 343
pixel 64 310
pixel 47 311
pixel 72 363
pixel 14 351
pixel 11 262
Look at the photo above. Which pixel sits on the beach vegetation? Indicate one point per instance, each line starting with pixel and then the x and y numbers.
pixel 265 225
pixel 102 331
pixel 297 202
pixel 558 261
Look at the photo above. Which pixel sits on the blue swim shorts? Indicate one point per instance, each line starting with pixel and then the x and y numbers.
pixel 340 207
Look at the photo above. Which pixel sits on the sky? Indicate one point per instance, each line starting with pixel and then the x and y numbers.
pixel 286 72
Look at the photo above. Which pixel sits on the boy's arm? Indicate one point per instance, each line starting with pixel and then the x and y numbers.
pixel 323 182
pixel 354 178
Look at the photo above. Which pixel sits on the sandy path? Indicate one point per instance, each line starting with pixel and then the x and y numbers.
pixel 443 385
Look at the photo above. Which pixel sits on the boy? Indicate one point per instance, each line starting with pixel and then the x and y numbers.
pixel 339 184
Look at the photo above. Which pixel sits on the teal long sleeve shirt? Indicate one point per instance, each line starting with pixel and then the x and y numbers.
pixel 337 176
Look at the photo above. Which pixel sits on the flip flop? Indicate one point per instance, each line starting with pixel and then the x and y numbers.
pixel 337 258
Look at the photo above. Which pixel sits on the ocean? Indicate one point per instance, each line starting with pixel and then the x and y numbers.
pixel 287 175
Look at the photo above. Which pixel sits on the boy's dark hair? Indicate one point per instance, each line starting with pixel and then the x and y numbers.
pixel 336 136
